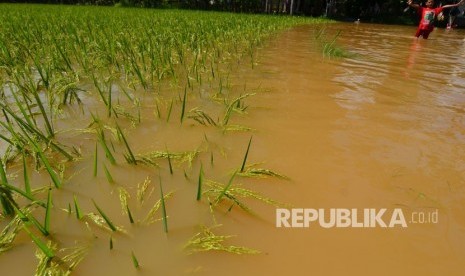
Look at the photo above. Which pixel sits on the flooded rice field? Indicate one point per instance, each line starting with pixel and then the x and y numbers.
pixel 380 128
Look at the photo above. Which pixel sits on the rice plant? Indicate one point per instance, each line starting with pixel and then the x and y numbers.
pixel 62 65
pixel 206 240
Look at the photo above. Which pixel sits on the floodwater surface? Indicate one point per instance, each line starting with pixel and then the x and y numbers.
pixel 382 128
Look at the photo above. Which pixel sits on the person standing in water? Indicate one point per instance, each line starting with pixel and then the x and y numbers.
pixel 428 14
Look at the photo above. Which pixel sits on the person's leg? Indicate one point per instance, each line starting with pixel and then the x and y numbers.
pixel 425 34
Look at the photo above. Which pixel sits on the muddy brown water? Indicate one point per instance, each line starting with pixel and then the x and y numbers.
pixel 381 129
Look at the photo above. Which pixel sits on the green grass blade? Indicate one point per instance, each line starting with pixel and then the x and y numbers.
pixel 103 143
pixel 246 155
pixel 169 111
pixel 220 196
pixel 108 174
pixel 131 159
pixel 131 220
pixel 42 246
pixel 95 161
pixel 76 207
pixel 163 209
pixel 199 187
pixel 27 183
pixel 104 216
pixel 48 211
pixel 134 260
pixel 184 101
pixel 56 181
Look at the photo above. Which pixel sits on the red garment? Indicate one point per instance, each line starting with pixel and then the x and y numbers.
pixel 427 17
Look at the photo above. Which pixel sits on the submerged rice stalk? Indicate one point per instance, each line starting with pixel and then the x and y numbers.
pixel 184 102
pixel 77 209
pixel 234 195
pixel 47 250
pixel 250 171
pixel 48 211
pixel 8 234
pixel 104 216
pixel 182 157
pixel 108 174
pixel 142 189
pixel 246 155
pixel 199 186
pixel 56 265
pixel 163 209
pixel 149 218
pixel 95 161
pixel 135 262
pixel 130 156
pixel 206 240
pixel 27 184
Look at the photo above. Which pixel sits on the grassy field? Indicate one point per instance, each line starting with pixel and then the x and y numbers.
pixel 117 70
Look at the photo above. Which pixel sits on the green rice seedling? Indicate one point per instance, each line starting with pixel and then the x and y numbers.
pixel 329 47
pixel 169 161
pixel 206 240
pixel 43 158
pixel 77 209
pixel 56 181
pixel 169 111
pixel 48 211
pixel 103 143
pixel 109 101
pixel 200 182
pixel 95 161
pixel 130 156
pixel 163 209
pixel 48 122
pixel 28 116
pixel 185 175
pixel 131 220
pixel 100 90
pixel 224 191
pixel 157 110
pixel 108 174
pixel 6 196
pixel 184 102
pixel 111 242
pixel 27 183
pixel 46 249
pixel 134 260
pixel 107 220
pixel 24 126
pixel 246 155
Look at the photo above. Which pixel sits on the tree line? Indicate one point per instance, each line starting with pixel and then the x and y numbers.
pixel 368 10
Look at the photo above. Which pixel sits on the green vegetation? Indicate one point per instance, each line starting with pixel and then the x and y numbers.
pixel 77 82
